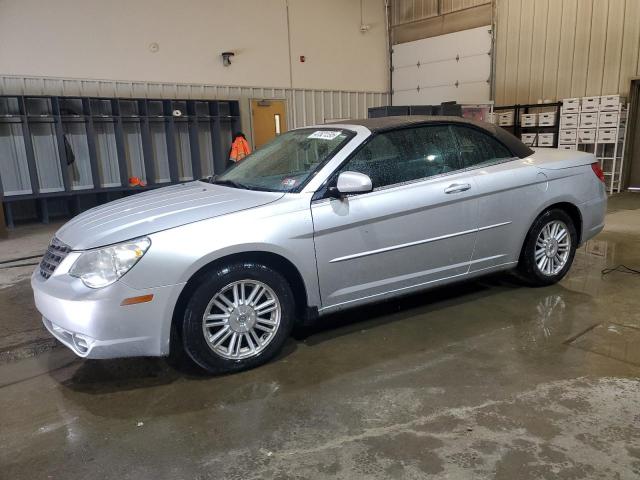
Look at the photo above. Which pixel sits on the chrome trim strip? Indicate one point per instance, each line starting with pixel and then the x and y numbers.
pixel 413 244
pixel 495 225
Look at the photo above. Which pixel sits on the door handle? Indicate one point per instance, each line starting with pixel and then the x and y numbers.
pixel 457 188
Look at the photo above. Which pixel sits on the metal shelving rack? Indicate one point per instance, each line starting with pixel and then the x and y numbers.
pixel 604 135
pixel 54 148
pixel 516 128
pixel 610 154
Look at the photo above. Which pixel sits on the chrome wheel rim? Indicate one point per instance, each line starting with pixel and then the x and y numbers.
pixel 553 246
pixel 241 319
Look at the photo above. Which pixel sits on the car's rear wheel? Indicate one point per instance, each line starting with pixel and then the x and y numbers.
pixel 237 318
pixel 549 248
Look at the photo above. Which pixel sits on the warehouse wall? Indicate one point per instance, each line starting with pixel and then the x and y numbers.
pixel 554 49
pixel 99 39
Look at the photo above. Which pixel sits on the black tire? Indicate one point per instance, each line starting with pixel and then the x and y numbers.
pixel 193 338
pixel 528 269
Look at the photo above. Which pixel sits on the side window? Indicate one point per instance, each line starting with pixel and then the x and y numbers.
pixel 404 155
pixel 478 148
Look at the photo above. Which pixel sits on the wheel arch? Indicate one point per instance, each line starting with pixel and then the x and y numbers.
pixel 282 265
pixel 573 211
pixel 569 208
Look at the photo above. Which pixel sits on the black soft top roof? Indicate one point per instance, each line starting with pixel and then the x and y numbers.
pixel 381 124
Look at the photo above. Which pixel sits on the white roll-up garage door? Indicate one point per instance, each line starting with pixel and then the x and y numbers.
pixel 455 66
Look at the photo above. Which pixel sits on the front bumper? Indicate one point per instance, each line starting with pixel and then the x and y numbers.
pixel 93 324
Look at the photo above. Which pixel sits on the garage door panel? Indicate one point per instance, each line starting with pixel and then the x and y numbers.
pixel 474 68
pixel 471 92
pixel 472 41
pixel 401 97
pixel 409 79
pixel 469 69
pixel 437 74
pixel 438 64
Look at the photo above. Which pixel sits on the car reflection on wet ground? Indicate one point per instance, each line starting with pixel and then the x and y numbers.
pixel 488 379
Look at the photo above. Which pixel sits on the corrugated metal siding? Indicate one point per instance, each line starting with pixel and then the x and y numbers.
pixel 305 107
pixel 405 11
pixel 554 49
pixel 449 6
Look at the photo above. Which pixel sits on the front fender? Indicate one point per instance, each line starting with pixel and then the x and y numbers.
pixel 284 228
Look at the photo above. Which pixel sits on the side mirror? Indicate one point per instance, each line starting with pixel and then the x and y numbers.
pixel 351 182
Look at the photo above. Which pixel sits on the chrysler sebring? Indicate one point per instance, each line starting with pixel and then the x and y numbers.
pixel 322 218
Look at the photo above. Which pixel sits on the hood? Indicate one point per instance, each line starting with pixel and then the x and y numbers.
pixel 554 159
pixel 156 210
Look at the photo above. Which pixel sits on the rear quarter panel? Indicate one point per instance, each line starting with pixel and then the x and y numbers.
pixel 580 186
pixel 513 194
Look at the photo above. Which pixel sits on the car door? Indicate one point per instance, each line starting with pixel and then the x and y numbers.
pixel 416 227
pixel 508 190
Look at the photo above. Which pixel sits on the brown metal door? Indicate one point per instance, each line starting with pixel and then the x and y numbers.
pixel 268 119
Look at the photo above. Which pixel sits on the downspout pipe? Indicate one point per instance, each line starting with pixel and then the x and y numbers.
pixel 387 7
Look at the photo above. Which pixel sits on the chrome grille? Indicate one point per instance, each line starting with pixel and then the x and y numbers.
pixel 56 252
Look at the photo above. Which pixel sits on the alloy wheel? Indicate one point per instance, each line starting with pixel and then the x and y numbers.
pixel 553 247
pixel 241 319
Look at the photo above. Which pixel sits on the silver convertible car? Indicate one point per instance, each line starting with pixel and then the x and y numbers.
pixel 321 219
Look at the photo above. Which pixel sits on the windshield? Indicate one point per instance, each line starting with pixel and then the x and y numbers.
pixel 287 162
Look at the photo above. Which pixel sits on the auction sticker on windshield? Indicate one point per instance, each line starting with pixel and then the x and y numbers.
pixel 289 182
pixel 325 134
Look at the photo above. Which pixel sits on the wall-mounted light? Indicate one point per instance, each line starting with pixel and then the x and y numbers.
pixel 364 27
pixel 226 58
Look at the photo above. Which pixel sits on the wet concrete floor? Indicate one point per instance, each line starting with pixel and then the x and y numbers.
pixel 488 379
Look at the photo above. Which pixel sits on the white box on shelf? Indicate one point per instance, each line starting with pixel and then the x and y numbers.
pixel 528 139
pixel 505 119
pixel 590 104
pixel 529 119
pixel 571 105
pixel 607 135
pixel 547 119
pixel 611 102
pixel 567 147
pixel 569 120
pixel 567 112
pixel 608 119
pixel 589 120
pixel 546 139
pixel 586 135
pixel 568 136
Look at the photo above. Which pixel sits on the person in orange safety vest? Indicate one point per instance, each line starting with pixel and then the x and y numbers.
pixel 239 148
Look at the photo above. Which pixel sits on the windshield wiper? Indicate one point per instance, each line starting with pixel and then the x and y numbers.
pixel 231 183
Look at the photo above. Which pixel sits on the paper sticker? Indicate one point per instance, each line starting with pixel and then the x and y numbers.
pixel 325 134
pixel 289 182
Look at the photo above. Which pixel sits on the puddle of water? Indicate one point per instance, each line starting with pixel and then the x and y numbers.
pixel 611 340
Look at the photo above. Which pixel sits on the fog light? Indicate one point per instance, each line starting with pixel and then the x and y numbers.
pixel 80 343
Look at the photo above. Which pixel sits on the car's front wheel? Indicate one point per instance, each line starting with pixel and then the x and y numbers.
pixel 549 248
pixel 238 317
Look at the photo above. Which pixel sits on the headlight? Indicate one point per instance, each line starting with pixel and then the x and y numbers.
pixel 101 267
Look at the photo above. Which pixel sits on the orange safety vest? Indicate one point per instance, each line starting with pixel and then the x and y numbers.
pixel 239 149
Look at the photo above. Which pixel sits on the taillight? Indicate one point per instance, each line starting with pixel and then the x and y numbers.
pixel 598 171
